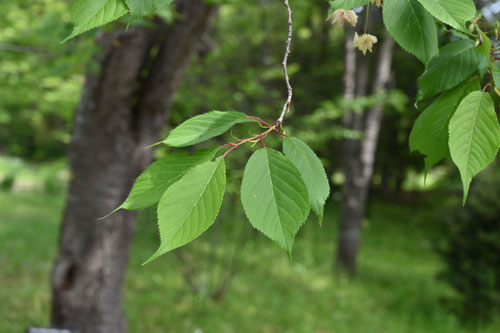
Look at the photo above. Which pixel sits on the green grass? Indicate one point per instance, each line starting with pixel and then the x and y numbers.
pixel 396 290
pixel 28 236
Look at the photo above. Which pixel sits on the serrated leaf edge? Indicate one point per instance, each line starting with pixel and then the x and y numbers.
pixel 157 253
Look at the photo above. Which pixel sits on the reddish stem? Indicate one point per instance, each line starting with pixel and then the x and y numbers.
pixel 267 125
pixel 280 133
pixel 239 143
pixel 263 143
pixel 260 121
pixel 227 145
pixel 230 150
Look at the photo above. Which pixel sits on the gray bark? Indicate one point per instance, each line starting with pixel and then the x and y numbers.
pixel 122 110
pixel 359 155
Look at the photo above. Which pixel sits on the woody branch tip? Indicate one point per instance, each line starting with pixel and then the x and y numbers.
pixel 286 107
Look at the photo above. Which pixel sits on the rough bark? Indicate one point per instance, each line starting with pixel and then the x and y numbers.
pixel 359 155
pixel 122 110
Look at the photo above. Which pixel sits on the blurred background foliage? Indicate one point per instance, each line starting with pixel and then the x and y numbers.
pixel 40 79
pixel 471 250
pixel 426 264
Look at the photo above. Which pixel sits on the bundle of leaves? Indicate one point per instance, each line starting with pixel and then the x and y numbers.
pixel 472 253
pixel 278 190
pixel 460 120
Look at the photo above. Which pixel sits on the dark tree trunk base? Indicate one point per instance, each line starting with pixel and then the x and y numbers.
pixel 122 111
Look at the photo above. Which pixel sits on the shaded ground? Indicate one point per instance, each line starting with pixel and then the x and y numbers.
pixel 395 292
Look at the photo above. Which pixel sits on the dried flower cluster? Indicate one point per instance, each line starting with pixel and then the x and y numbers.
pixel 340 16
pixel 364 42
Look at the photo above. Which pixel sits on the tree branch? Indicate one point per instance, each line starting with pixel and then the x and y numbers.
pixel 286 107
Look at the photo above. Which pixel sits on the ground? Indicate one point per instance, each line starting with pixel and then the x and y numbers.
pixel 396 290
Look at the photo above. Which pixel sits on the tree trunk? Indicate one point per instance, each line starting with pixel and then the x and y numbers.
pixel 359 155
pixel 122 110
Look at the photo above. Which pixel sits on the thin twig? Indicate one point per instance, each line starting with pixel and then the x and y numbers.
pixel 367 16
pixel 266 125
pixel 263 143
pixel 258 137
pixel 260 121
pixel 286 107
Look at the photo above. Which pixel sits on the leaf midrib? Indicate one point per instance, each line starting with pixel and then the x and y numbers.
pixel 420 26
pixel 99 12
pixel 268 164
pixel 181 174
pixel 196 202
pixel 191 138
pixel 446 11
pixel 453 56
pixel 447 123
pixel 472 133
pixel 308 166
pixel 176 178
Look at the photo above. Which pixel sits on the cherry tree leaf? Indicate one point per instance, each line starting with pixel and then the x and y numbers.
pixel 189 206
pixel 203 127
pixel 412 27
pixel 430 132
pixel 474 136
pixel 452 12
pixel 454 64
pixel 496 74
pixel 152 183
pixel 312 171
pixel 145 7
pixel 486 44
pixel 274 196
pixel 88 15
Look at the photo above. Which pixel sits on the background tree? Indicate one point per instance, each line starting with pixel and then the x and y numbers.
pixel 123 109
pixel 359 155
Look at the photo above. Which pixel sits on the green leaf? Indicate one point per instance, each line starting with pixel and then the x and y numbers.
pixel 190 206
pixel 474 136
pixel 144 7
pixel 312 171
pixel 152 183
pixel 495 71
pixel 412 27
pixel 485 46
pixel 274 196
pixel 484 66
pixel 203 127
pixel 455 63
pixel 92 14
pixel 451 12
pixel 430 132
pixel 347 4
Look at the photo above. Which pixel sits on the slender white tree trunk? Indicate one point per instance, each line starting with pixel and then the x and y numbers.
pixel 359 155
